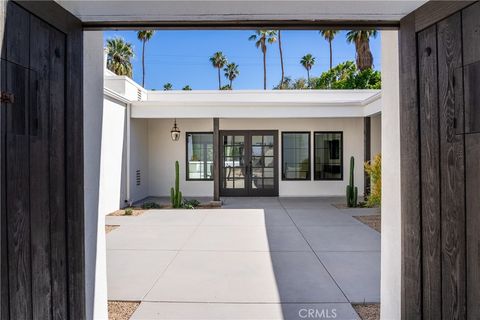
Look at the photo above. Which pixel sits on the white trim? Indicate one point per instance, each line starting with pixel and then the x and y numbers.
pixel 258 104
pixel 114 95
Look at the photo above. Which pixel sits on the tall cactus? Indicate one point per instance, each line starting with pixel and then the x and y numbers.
pixel 175 193
pixel 352 191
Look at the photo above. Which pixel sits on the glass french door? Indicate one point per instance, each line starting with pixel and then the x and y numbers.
pixel 249 163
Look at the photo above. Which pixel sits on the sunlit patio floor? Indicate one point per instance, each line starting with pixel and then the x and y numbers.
pixel 256 258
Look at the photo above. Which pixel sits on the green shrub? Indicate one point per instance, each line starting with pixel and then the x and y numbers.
pixel 128 211
pixel 150 205
pixel 190 204
pixel 374 169
pixel 345 75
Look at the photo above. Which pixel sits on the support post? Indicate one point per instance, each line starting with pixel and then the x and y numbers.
pixel 216 159
pixel 367 141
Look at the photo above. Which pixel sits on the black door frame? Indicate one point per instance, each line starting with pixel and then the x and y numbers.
pixel 248 191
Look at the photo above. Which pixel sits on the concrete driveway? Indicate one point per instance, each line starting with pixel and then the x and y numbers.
pixel 256 258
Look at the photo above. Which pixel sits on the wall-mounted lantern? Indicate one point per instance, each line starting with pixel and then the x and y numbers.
pixel 175 132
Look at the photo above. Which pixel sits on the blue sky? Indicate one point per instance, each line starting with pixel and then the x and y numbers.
pixel 181 57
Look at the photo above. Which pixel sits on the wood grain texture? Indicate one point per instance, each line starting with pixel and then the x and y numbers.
pixel 472 168
pixel 5 309
pixel 39 110
pixel 17 29
pixel 17 198
pixel 452 167
pixel 410 173
pixel 430 173
pixel 436 10
pixel 57 178
pixel 41 277
pixel 74 172
pixel 52 13
pixel 471 34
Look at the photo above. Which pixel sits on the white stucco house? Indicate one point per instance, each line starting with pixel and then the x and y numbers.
pixel 270 143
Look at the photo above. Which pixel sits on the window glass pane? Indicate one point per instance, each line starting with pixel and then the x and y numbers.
pixel 328 156
pixel 268 140
pixel 268 172
pixel 257 140
pixel 269 162
pixel 257 162
pixel 296 159
pixel 256 151
pixel 200 156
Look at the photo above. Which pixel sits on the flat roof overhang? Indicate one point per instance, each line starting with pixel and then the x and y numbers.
pixel 258 104
pixel 240 14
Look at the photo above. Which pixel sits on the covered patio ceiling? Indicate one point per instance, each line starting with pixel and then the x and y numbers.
pixel 265 12
pixel 258 104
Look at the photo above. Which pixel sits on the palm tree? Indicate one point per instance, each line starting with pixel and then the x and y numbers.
pixel 218 61
pixel 299 84
pixel 307 62
pixel 231 72
pixel 167 86
pixel 329 35
pixel 144 36
pixel 119 54
pixel 187 88
pixel 361 39
pixel 261 38
pixel 279 34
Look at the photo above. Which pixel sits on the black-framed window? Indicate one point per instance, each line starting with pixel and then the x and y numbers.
pixel 295 155
pixel 199 155
pixel 328 155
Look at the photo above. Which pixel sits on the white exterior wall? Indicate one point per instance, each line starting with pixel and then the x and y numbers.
pixel 139 159
pixel 95 249
pixel 113 156
pixel 125 86
pixel 376 135
pixel 163 152
pixel 391 196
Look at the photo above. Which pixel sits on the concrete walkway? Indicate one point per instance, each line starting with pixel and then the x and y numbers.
pixel 256 258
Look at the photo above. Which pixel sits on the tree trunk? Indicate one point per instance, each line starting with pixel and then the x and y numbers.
pixel 219 80
pixel 331 53
pixel 231 84
pixel 364 55
pixel 281 57
pixel 308 77
pixel 264 69
pixel 143 64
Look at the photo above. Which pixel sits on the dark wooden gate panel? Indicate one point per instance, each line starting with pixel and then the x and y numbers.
pixel 430 168
pixel 39 167
pixel 447 47
pixel 42 241
pixel 17 195
pixel 57 176
pixel 471 59
pixel 472 166
pixel 452 182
